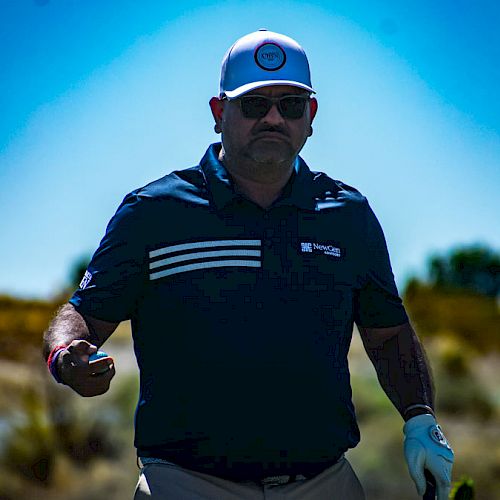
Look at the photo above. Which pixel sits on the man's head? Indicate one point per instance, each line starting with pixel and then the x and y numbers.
pixel 264 109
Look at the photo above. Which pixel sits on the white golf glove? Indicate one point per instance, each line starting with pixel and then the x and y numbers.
pixel 425 447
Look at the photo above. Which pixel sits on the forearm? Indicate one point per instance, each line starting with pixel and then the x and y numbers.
pixel 69 325
pixel 401 366
pixel 79 336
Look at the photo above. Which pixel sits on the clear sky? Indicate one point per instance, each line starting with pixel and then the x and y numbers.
pixel 100 97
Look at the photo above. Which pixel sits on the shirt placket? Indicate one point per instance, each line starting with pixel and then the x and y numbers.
pixel 274 243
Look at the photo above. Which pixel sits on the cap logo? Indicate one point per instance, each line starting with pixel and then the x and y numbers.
pixel 270 56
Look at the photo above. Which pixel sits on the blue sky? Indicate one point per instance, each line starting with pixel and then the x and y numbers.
pixel 98 98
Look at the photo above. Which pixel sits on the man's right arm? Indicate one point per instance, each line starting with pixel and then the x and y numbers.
pixel 81 335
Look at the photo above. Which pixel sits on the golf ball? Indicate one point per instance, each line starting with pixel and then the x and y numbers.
pixel 98 355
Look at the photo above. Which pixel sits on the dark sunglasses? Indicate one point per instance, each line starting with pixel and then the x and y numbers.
pixel 257 106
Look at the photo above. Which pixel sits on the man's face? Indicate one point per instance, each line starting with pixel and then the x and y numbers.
pixel 271 139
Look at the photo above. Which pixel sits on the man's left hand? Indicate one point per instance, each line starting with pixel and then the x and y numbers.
pixel 425 447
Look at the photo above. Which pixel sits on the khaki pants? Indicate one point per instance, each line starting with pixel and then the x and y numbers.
pixel 171 482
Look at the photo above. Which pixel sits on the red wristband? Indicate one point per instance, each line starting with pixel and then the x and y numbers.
pixel 51 361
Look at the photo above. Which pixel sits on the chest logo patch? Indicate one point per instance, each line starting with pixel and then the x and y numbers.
pixel 320 248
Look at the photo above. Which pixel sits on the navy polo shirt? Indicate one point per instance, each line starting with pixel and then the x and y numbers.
pixel 242 316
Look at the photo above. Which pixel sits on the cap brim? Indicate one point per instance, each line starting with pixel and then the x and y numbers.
pixel 231 94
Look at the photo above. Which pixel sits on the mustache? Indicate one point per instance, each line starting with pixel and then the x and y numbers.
pixel 270 128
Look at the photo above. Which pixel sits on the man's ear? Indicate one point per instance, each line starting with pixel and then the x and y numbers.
pixel 313 108
pixel 217 107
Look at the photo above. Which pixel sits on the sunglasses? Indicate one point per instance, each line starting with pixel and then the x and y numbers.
pixel 257 106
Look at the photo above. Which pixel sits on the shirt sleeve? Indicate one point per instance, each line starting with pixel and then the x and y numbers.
pixel 376 303
pixel 115 275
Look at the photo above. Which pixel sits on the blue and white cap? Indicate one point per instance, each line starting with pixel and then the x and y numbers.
pixel 261 59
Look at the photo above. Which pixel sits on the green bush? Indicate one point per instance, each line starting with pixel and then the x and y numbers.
pixel 463 489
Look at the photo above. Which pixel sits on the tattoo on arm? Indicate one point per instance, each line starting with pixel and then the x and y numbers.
pixel 401 365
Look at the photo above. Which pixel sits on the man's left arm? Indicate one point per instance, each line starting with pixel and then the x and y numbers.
pixel 404 374
pixel 401 366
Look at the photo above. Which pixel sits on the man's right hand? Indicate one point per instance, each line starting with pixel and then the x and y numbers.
pixel 76 372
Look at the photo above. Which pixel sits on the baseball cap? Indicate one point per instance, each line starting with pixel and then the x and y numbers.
pixel 261 59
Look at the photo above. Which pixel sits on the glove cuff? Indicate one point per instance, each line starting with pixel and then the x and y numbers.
pixel 419 422
pixel 423 425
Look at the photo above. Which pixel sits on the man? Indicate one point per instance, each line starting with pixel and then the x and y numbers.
pixel 243 277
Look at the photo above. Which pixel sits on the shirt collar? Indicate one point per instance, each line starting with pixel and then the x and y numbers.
pixel 300 190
